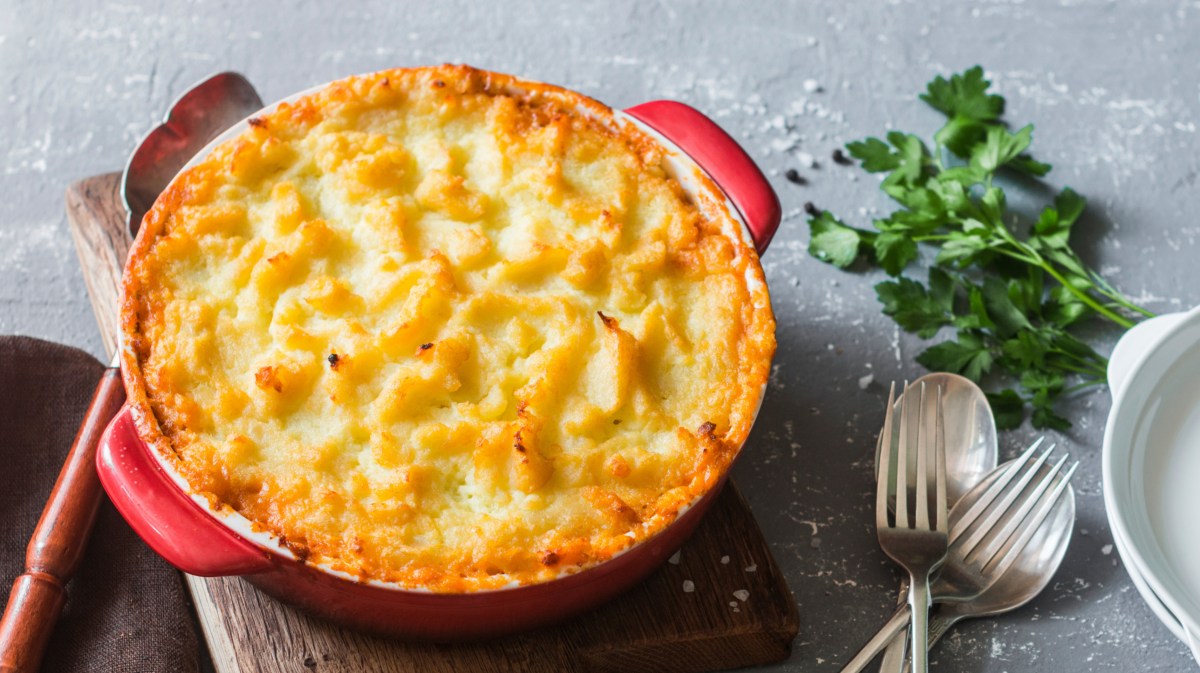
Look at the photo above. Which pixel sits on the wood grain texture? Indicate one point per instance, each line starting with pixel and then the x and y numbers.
pixel 738 613
pixel 97 219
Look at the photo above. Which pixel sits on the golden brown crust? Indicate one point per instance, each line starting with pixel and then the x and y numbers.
pixel 684 300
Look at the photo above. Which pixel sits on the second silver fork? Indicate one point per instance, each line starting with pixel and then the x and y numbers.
pixel 918 545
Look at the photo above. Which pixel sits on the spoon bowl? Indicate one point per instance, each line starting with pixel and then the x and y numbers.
pixel 1035 564
pixel 198 116
pixel 971 446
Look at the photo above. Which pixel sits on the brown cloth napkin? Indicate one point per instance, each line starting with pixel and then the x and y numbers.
pixel 126 610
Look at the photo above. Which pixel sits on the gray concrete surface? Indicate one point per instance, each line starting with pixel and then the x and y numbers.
pixel 1113 89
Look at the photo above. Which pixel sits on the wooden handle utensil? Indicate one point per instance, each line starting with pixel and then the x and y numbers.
pixel 59 540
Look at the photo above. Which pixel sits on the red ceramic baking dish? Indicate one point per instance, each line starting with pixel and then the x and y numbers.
pixel 202 540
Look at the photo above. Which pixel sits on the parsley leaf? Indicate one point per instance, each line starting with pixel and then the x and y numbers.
pixel 894 251
pixel 913 307
pixel 999 299
pixel 960 134
pixel 1044 417
pixel 1029 166
pixel 962 249
pixel 965 96
pixel 1000 147
pixel 969 356
pixel 876 156
pixel 1009 288
pixel 832 241
pixel 1008 407
pixel 913 159
pixel 1053 227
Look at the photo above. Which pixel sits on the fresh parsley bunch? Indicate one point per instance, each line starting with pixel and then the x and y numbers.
pixel 1010 290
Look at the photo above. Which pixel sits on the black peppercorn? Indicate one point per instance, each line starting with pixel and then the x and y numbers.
pixel 794 177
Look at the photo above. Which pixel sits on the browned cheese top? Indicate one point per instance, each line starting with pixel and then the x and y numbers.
pixel 445 328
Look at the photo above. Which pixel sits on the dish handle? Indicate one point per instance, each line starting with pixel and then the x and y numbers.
pixel 183 533
pixel 722 158
pixel 1133 344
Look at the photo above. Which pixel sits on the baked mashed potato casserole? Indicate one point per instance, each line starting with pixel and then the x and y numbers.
pixel 445 328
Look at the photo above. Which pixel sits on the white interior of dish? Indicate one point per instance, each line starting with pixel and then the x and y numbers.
pixel 679 165
pixel 1152 472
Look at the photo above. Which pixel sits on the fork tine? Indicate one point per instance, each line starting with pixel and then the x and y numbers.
pixel 902 460
pixel 885 454
pixel 1008 554
pixel 989 496
pixel 922 508
pixel 987 527
pixel 1008 526
pixel 940 452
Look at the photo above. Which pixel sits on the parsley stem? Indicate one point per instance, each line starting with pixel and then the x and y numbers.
pixel 1086 384
pixel 1033 258
pixel 1019 257
pixel 1084 296
pixel 1095 360
pixel 1094 371
pixel 1123 302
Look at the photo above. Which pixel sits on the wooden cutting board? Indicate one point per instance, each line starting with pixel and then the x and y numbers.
pixel 724 603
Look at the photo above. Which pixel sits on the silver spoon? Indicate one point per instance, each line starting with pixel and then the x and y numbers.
pixel 971 448
pixel 970 433
pixel 56 548
pixel 971 453
pixel 195 118
pixel 1028 576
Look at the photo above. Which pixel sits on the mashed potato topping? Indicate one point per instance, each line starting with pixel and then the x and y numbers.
pixel 445 328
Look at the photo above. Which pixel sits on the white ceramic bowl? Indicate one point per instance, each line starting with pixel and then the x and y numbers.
pixel 1152 466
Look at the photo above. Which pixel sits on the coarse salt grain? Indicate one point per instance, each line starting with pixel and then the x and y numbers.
pixel 752 567
pixel 811 85
pixel 742 595
pixel 724 560
pixel 783 144
pixel 674 560
pixel 688 586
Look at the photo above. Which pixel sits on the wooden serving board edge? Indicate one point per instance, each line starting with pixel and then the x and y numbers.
pixel 212 625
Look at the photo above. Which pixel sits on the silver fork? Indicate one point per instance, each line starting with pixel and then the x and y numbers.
pixel 919 545
pixel 986 538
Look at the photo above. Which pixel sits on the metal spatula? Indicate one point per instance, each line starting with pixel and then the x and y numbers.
pixel 57 545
